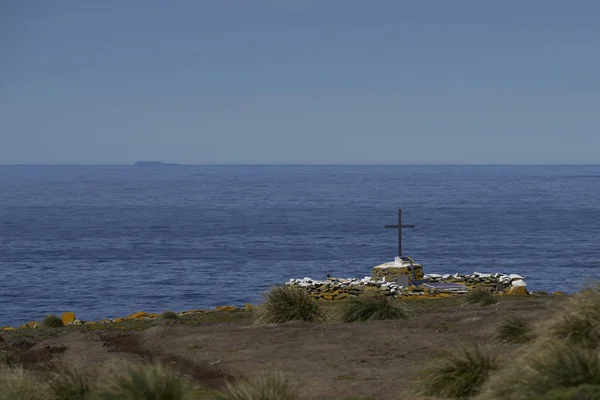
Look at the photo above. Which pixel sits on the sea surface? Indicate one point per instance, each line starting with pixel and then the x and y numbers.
pixel 106 241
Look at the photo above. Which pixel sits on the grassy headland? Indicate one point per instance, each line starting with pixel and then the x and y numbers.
pixel 297 349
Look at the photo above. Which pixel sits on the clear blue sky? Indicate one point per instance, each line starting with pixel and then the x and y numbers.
pixel 300 81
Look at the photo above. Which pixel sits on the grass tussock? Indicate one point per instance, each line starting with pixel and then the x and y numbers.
pixel 169 315
pixel 514 330
pixel 287 303
pixel 52 321
pixel 547 371
pixel 482 297
pixel 459 375
pixel 16 383
pixel 562 362
pixel 66 383
pixel 145 382
pixel 579 322
pixel 374 307
pixel 261 387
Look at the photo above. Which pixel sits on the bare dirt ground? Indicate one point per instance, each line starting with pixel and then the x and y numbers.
pixel 371 360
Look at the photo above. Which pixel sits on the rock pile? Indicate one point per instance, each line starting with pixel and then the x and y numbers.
pixel 344 288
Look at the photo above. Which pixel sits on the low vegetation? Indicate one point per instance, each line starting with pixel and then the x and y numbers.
pixel 374 307
pixel 67 383
pixel 146 382
pixel 579 321
pixel 169 315
pixel 286 303
pixel 262 387
pixel 52 321
pixel 514 330
pixel 460 375
pixel 562 362
pixel 134 382
pixel 16 383
pixel 482 297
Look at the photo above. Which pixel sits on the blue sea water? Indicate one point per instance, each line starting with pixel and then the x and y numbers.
pixel 106 241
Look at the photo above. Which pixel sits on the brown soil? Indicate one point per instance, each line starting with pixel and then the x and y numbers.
pixel 372 360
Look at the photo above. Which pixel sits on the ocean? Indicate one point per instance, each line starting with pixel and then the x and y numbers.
pixel 107 241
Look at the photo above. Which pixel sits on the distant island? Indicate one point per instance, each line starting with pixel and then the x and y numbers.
pixel 153 164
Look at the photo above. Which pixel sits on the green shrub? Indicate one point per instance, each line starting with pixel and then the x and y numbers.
pixel 147 382
pixel 287 303
pixel 579 322
pixel 261 387
pixel 15 383
pixel 169 315
pixel 514 330
pixel 52 321
pixel 68 384
pixel 373 307
pixel 481 296
pixel 459 375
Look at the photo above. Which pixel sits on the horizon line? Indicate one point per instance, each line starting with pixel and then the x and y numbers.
pixel 169 164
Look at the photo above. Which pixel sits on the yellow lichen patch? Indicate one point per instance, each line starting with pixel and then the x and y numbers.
pixel 8 328
pixel 67 317
pixel 31 324
pixel 328 296
pixel 557 294
pixel 153 315
pixel 117 320
pixel 518 291
pixel 226 308
pixel 248 307
pixel 137 315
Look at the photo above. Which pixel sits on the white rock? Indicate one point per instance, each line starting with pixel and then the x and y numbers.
pixel 518 282
pixel 446 276
pixel 514 277
pixel 432 276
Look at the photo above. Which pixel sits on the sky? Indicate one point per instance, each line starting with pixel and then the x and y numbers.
pixel 300 81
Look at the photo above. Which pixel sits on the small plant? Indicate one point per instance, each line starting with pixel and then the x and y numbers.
pixel 373 307
pixel 287 303
pixel 68 384
pixel 52 321
pixel 514 330
pixel 146 382
pixel 460 376
pixel 169 315
pixel 481 296
pixel 262 387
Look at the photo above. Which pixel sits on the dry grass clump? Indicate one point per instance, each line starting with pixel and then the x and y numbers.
pixel 261 387
pixel 459 375
pixel 169 315
pixel 52 321
pixel 482 297
pixel 16 383
pixel 514 330
pixel 68 383
pixel 373 307
pixel 287 303
pixel 579 321
pixel 562 363
pixel 145 382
